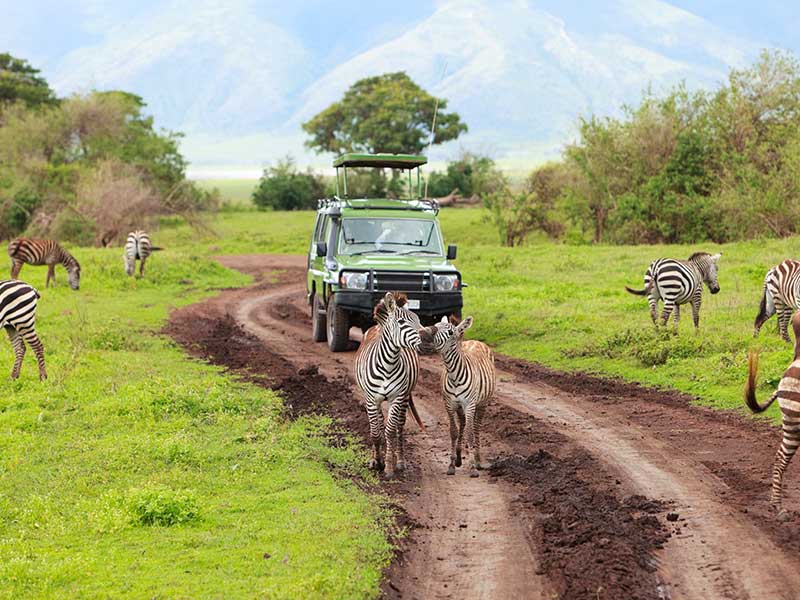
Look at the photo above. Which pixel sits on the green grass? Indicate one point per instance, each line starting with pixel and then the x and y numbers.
pixel 565 306
pixel 234 192
pixel 135 471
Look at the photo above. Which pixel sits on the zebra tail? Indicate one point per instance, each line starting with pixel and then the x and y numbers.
pixel 750 387
pixel 155 248
pixel 13 246
pixel 415 413
pixel 637 292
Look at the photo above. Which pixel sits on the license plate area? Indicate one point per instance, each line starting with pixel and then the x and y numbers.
pixel 413 304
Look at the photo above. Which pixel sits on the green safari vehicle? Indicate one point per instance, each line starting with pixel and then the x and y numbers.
pixel 362 248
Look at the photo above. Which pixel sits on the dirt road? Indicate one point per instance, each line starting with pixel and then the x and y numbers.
pixel 599 489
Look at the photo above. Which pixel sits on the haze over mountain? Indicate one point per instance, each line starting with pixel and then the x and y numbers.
pixel 238 77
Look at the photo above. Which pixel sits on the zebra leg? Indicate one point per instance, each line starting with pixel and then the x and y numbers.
pixel 451 414
pixel 665 314
pixel 791 439
pixel 393 420
pixel 461 424
pixel 473 439
pixel 784 317
pixel 696 313
pixel 375 433
pixel 36 345
pixel 141 267
pixel 19 350
pixel 51 274
pixel 130 266
pixel 16 267
pixel 401 442
pixel 677 317
pixel 653 302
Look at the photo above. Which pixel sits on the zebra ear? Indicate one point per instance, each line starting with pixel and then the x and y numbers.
pixel 389 302
pixel 464 325
pixel 716 257
pixel 444 320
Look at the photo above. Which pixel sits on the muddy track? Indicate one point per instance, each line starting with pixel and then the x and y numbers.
pixel 600 489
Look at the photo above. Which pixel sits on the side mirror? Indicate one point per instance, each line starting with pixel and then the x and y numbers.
pixel 322 249
pixel 451 252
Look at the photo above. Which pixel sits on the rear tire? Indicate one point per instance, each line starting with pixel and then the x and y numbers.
pixel 318 321
pixel 338 326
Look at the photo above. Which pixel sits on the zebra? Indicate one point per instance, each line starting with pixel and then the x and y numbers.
pixel 781 295
pixel 386 369
pixel 43 252
pixel 468 384
pixel 677 282
pixel 788 395
pixel 137 247
pixel 18 315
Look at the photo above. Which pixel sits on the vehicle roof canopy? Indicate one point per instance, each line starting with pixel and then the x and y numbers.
pixel 383 161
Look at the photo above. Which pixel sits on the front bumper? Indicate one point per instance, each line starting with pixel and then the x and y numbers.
pixel 431 304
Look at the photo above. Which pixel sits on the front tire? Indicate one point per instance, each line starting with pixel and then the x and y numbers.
pixel 318 321
pixel 338 326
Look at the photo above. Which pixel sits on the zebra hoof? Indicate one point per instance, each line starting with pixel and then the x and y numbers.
pixel 458 460
pixel 451 470
pixel 784 515
pixel 481 466
pixel 390 475
pixel 401 466
pixel 473 472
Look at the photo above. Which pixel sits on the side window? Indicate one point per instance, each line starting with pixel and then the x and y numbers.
pixel 316 228
pixel 322 227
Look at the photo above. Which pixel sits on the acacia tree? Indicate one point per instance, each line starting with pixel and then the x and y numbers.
pixel 387 113
pixel 19 81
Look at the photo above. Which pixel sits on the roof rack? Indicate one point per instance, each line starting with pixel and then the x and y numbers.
pixel 384 161
pixel 418 205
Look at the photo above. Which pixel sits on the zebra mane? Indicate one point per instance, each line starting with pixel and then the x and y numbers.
pixel 454 320
pixel 380 313
pixel 697 255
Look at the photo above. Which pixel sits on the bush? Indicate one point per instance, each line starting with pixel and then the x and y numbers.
pixel 282 187
pixel 469 175
pixel 164 507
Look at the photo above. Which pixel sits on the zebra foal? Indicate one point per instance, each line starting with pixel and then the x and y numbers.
pixel 468 384
pixel 781 295
pixel 18 315
pixel 788 396
pixel 386 370
pixel 677 282
pixel 43 252
pixel 137 247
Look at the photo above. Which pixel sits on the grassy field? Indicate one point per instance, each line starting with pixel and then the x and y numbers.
pixel 565 306
pixel 135 471
pixel 234 192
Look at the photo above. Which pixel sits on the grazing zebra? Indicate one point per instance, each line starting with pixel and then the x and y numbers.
pixel 781 295
pixel 788 395
pixel 467 385
pixel 137 247
pixel 677 282
pixel 43 252
pixel 386 369
pixel 18 316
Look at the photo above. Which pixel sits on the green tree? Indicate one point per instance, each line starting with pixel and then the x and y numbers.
pixel 387 113
pixel 20 82
pixel 283 187
pixel 463 176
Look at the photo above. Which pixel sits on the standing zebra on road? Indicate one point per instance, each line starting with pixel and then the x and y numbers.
pixel 43 252
pixel 386 369
pixel 18 315
pixel 137 247
pixel 781 295
pixel 788 395
pixel 677 282
pixel 468 384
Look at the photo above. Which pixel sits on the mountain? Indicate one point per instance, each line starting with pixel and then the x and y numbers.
pixel 239 77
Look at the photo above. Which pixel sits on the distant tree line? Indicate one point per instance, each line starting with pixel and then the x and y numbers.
pixel 86 168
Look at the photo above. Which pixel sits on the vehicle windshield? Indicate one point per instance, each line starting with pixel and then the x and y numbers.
pixel 389 236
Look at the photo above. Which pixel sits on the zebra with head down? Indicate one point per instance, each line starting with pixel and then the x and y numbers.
pixel 386 370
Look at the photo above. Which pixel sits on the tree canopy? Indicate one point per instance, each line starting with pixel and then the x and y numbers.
pixel 19 81
pixel 386 113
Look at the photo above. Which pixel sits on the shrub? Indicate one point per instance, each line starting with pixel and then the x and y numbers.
pixel 163 506
pixel 470 174
pixel 283 187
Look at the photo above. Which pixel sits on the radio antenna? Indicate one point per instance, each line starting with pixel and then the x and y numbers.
pixel 433 124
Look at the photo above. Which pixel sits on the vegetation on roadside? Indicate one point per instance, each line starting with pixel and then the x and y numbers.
pixel 136 471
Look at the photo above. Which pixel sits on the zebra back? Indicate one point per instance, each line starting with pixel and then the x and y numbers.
pixel 18 302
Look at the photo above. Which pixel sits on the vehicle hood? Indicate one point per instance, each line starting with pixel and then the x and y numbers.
pixel 394 263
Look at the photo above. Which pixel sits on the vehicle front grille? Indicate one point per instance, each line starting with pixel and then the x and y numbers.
pixel 401 281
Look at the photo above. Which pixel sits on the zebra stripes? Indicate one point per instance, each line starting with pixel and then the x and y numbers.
pixel 788 395
pixel 43 252
pixel 781 295
pixel 386 370
pixel 137 247
pixel 468 384
pixel 677 282
pixel 18 315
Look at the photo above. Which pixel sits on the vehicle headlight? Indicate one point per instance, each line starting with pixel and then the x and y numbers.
pixel 445 283
pixel 354 281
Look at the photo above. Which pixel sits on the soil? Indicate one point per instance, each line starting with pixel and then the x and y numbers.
pixel 598 488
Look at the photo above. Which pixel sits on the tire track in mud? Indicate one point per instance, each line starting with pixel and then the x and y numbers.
pixel 588 444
